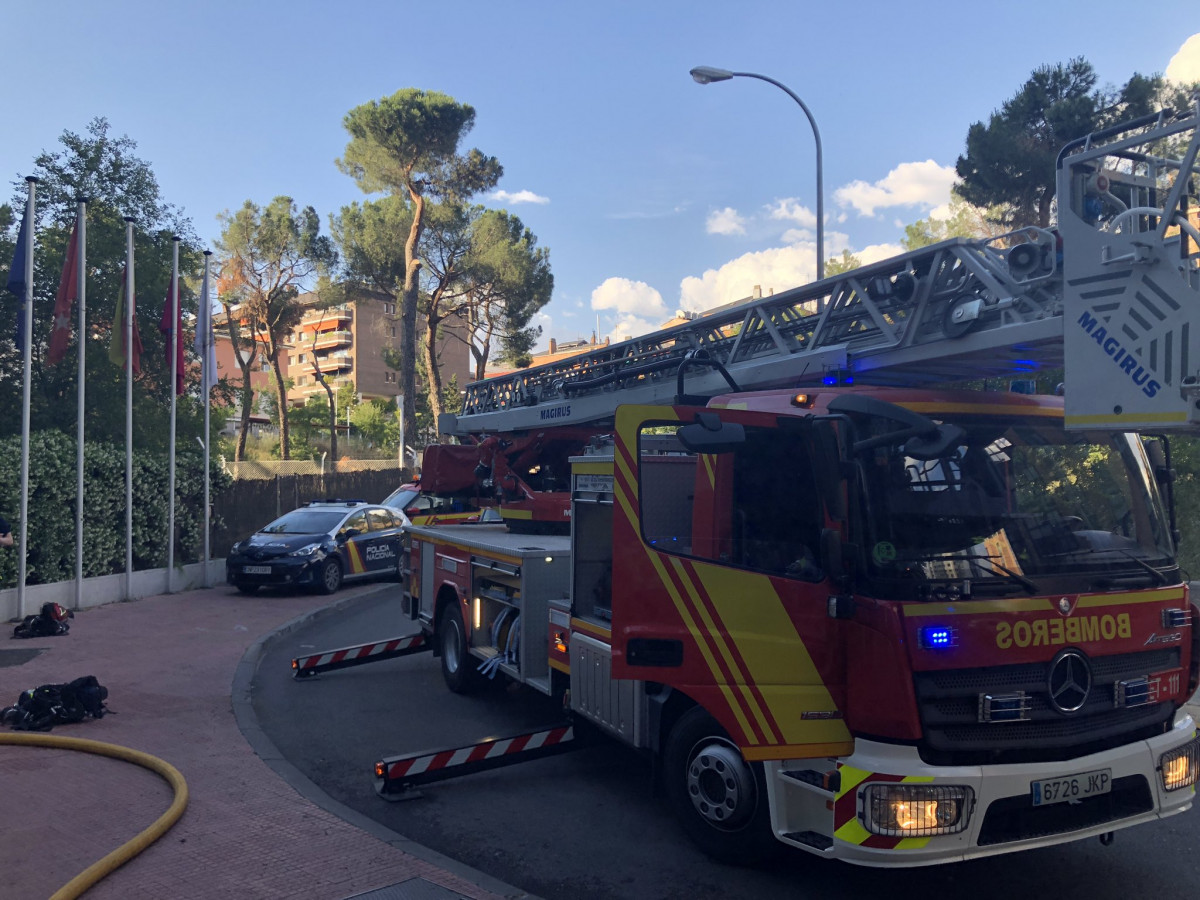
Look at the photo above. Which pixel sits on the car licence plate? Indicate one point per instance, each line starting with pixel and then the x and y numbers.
pixel 256 570
pixel 1071 787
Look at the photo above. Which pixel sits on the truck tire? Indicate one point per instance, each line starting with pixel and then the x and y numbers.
pixel 718 797
pixel 330 577
pixel 458 666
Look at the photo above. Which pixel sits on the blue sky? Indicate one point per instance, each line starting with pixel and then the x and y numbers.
pixel 651 192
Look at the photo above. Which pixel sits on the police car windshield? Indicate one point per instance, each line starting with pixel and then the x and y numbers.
pixel 306 521
pixel 400 499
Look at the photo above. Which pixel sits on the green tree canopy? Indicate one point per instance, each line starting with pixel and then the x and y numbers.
pixel 407 144
pixel 268 257
pixel 104 168
pixel 1010 161
pixel 508 279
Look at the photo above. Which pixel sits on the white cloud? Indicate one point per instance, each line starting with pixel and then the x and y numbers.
pixel 873 253
pixel 633 326
pixel 518 197
pixel 923 184
pixel 1184 67
pixel 629 298
pixel 778 269
pixel 725 221
pixel 791 210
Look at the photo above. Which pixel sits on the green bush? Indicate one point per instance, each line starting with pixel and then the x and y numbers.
pixel 50 555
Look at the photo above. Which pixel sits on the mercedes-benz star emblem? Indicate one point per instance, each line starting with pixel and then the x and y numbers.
pixel 1070 681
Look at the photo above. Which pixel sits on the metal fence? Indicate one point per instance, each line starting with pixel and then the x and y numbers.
pixel 273 468
pixel 252 502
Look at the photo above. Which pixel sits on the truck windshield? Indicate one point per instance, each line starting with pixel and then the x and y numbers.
pixel 1015 509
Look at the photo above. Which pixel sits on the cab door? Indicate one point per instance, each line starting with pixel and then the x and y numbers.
pixel 718 586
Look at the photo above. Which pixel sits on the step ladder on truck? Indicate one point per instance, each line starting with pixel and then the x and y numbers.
pixel 843 608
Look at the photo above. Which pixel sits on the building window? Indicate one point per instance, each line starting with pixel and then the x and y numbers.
pixel 393 331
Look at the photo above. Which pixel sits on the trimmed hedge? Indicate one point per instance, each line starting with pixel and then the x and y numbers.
pixel 50 555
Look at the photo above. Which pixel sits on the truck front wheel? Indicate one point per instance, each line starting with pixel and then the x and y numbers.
pixel 719 798
pixel 458 666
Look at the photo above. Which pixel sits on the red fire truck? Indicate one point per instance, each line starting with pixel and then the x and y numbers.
pixel 847 610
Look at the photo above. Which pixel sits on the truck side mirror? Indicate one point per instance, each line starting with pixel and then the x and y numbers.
pixel 708 434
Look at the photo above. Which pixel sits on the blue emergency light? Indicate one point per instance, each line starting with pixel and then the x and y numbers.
pixel 937 637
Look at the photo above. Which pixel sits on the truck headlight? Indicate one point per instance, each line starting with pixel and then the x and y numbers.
pixel 917 810
pixel 1179 766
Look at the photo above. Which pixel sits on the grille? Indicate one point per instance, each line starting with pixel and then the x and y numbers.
pixel 1014 819
pixel 949 709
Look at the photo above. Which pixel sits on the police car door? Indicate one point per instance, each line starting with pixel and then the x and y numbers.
pixel 353 540
pixel 381 545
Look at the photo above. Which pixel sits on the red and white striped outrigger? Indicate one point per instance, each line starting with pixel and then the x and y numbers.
pixel 397 777
pixel 328 660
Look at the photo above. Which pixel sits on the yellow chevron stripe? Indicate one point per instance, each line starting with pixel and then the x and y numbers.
pixel 714 631
pixel 851 778
pixel 694 630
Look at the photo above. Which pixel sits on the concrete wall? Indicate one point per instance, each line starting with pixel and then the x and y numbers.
pixel 111 589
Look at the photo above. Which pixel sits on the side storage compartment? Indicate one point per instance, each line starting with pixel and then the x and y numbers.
pixel 510 607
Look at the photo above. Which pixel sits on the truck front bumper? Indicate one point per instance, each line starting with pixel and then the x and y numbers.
pixel 998 814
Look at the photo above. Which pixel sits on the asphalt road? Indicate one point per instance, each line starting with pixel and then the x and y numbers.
pixel 586 825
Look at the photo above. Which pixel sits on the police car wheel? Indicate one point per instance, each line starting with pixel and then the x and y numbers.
pixel 718 797
pixel 331 576
pixel 458 666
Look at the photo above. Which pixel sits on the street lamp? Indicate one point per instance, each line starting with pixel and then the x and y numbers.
pixel 709 75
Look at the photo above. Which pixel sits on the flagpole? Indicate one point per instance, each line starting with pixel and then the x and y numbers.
pixel 129 300
pixel 27 337
pixel 207 377
pixel 172 355
pixel 81 282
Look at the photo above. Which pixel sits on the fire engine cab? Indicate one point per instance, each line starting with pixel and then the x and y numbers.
pixel 845 609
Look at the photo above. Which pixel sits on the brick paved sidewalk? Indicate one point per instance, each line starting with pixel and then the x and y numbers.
pixel 169 664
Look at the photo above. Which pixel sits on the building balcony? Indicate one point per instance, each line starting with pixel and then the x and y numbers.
pixel 335 362
pixel 318 318
pixel 331 339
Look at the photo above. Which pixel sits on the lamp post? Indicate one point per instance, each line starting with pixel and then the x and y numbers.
pixel 708 75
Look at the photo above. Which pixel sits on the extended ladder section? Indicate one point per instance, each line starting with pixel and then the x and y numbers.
pixel 953 311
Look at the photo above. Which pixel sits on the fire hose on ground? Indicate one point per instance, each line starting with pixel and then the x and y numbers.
pixel 127 851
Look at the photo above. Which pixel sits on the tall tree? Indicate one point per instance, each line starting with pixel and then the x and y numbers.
pixel 408 144
pixel 507 280
pixel 273 254
pixel 372 257
pixel 447 245
pixel 245 350
pixel 106 169
pixel 1010 161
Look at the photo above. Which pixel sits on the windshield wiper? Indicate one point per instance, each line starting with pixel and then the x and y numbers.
pixel 998 569
pixel 1159 577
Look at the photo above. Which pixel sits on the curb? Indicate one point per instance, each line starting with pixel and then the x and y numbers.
pixel 265 749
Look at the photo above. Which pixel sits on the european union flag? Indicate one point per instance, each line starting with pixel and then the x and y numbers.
pixel 16 279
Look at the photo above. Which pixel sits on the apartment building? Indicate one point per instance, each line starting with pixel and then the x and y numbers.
pixel 347 343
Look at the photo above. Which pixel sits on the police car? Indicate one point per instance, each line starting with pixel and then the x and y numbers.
pixel 319 545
